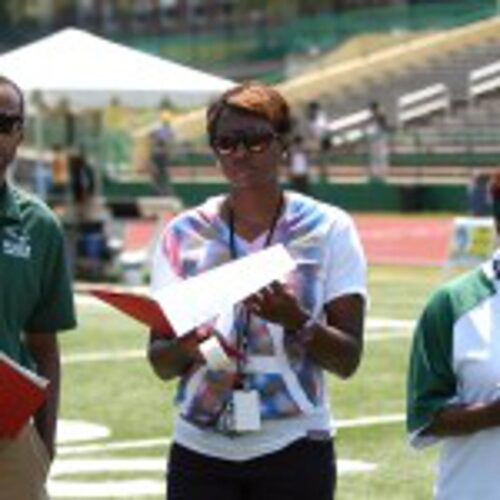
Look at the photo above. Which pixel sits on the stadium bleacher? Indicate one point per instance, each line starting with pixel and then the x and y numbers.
pixel 451 69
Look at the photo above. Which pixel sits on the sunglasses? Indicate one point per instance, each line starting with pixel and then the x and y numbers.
pixel 9 123
pixel 254 142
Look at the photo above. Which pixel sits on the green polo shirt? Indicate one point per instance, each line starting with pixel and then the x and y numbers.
pixel 35 287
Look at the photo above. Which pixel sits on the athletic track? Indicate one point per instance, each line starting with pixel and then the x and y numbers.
pixel 387 239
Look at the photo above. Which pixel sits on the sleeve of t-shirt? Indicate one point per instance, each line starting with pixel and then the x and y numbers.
pixel 431 383
pixel 165 264
pixel 346 263
pixel 55 310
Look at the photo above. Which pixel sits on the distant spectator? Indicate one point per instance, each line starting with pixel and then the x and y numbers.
pixel 317 123
pixel 298 166
pixel 479 200
pixel 82 182
pixel 60 174
pixel 378 142
pixel 161 145
pixel 114 124
pixel 42 180
pixel 69 119
pixel 114 115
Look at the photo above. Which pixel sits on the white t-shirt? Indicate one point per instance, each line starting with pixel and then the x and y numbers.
pixel 330 264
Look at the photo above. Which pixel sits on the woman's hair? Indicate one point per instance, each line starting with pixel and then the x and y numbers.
pixel 253 98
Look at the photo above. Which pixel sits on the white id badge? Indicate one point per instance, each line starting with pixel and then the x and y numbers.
pixel 246 408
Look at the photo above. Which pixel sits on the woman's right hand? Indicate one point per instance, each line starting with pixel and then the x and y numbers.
pixel 171 358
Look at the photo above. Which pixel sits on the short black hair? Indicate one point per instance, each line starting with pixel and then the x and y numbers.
pixel 4 81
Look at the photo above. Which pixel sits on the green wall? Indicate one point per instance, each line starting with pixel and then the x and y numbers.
pixel 366 197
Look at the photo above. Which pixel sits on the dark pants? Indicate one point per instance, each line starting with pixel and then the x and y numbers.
pixel 305 469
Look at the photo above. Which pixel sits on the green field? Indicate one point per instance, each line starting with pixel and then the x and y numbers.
pixel 108 382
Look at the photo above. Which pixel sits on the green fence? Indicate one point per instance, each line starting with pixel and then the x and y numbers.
pixel 245 40
pixel 110 150
pixel 113 150
pixel 359 197
pixel 263 41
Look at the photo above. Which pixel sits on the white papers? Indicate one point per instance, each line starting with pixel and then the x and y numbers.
pixel 224 323
pixel 190 303
pixel 214 354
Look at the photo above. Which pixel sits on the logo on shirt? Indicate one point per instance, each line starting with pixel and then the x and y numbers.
pixel 16 244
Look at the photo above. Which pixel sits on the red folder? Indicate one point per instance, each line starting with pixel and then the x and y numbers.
pixel 147 311
pixel 140 307
pixel 22 392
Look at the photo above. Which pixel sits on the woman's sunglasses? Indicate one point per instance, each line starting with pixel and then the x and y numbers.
pixel 253 142
pixel 9 123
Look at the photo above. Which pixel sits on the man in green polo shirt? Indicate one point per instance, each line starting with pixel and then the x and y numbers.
pixel 35 302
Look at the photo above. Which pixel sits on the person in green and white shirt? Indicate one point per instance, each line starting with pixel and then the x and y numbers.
pixel 454 380
pixel 36 302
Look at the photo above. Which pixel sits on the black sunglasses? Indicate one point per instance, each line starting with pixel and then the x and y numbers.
pixel 254 142
pixel 9 123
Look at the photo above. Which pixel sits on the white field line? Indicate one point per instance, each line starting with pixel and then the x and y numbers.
pixel 380 329
pixel 84 300
pixel 89 357
pixel 392 329
pixel 395 418
pixel 131 464
pixel 371 324
pixel 114 446
pixel 69 466
pixel 164 442
pixel 377 337
pixel 389 324
pixel 106 489
pixel 141 487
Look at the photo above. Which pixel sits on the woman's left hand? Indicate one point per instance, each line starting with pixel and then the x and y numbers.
pixel 276 303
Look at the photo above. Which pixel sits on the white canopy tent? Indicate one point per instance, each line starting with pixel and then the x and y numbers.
pixel 88 71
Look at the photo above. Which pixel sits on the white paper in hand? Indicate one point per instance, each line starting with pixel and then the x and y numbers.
pixel 191 303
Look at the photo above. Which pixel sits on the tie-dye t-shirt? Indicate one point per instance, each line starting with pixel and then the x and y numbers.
pixel 330 263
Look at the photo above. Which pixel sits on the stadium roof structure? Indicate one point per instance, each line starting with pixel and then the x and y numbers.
pixel 89 71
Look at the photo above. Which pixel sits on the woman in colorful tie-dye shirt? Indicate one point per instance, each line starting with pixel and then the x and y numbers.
pixel 263 428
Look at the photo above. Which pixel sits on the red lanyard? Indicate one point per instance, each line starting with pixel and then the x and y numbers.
pixel 242 335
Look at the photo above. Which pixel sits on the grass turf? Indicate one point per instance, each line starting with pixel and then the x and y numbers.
pixel 125 396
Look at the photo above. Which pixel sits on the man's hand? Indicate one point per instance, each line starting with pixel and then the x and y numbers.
pixel 44 349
